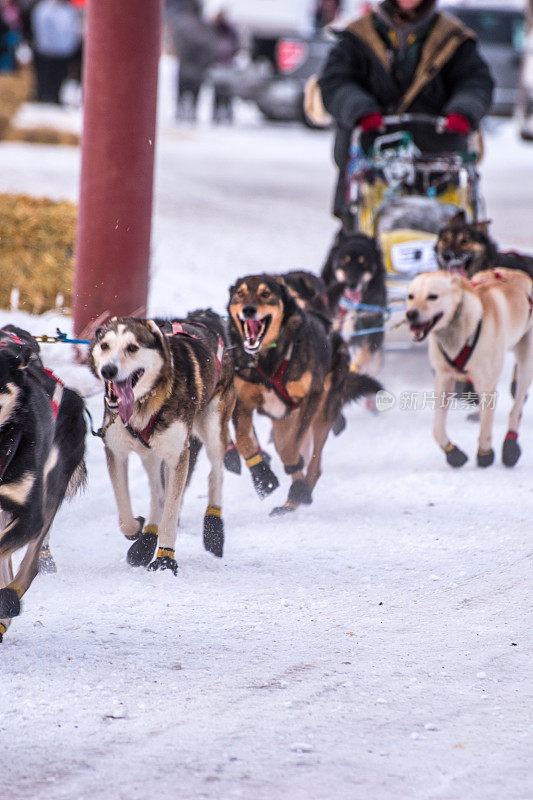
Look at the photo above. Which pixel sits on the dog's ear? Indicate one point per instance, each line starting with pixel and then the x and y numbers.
pixel 233 288
pixel 482 226
pixel 458 220
pixel 289 303
pixel 155 329
pixel 378 251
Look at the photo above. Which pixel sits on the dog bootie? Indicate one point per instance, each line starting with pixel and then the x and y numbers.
pixel 9 603
pixel 485 457
pixel 142 550
pixel 214 531
pixel 454 456
pixel 511 449
pixel 46 562
pixel 164 560
pixel 232 459
pixel 263 478
pixel 339 425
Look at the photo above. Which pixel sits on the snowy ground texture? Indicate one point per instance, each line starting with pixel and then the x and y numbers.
pixel 374 647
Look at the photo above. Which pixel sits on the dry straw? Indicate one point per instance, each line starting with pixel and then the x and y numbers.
pixel 36 252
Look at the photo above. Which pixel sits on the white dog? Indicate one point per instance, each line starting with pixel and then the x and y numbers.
pixel 471 324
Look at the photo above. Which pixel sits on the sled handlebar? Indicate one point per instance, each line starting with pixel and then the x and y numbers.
pixel 391 120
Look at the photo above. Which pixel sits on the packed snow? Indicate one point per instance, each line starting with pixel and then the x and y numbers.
pixel 373 646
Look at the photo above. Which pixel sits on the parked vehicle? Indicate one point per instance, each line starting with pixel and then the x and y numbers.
pixel 525 94
pixel 500 28
pixel 296 58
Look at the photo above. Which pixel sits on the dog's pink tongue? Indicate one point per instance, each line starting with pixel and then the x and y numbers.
pixel 353 295
pixel 254 328
pixel 126 399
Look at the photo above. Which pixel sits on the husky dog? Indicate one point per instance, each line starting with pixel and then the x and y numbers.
pixel 168 385
pixel 354 273
pixel 471 325
pixel 467 248
pixel 289 368
pixel 42 447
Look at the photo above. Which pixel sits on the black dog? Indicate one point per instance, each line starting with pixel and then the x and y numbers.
pixel 354 273
pixel 467 247
pixel 42 447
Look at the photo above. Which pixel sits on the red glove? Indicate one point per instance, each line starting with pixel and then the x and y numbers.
pixel 456 123
pixel 371 122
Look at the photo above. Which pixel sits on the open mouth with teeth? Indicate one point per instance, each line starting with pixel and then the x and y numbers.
pixel 420 330
pixel 459 265
pixel 354 295
pixel 254 331
pixel 120 394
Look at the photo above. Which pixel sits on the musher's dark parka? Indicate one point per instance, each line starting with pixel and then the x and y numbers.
pixel 362 76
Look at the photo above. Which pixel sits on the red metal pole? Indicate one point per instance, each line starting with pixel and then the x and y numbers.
pixel 122 48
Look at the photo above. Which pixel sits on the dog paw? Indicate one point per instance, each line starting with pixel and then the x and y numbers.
pixel 339 425
pixel 164 562
pixel 142 550
pixel 232 460
pixel 132 537
pixel 263 479
pixel 511 450
pixel 9 603
pixel 300 493
pixel 485 458
pixel 281 511
pixel 214 535
pixel 454 456
pixel 46 564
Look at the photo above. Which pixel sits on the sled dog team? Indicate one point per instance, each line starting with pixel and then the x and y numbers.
pixel 173 386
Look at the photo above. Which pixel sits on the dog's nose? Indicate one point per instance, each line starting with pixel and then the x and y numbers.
pixel 447 255
pixel 412 315
pixel 109 371
pixel 249 311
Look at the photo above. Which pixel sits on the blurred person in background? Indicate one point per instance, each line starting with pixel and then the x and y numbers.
pixel 404 57
pixel 325 12
pixel 227 44
pixel 10 34
pixel 56 39
pixel 195 46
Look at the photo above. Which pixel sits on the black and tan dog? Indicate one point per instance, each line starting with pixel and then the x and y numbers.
pixel 354 274
pixel 311 293
pixel 168 385
pixel 42 446
pixel 290 369
pixel 467 248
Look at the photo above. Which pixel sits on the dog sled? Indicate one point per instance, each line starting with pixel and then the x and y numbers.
pixel 404 197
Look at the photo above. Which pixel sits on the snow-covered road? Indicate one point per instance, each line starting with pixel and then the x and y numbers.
pixel 373 647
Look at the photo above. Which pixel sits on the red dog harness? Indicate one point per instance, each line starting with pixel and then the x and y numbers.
pixel 277 382
pixel 34 371
pixel 459 363
pixel 500 277
pixel 177 330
